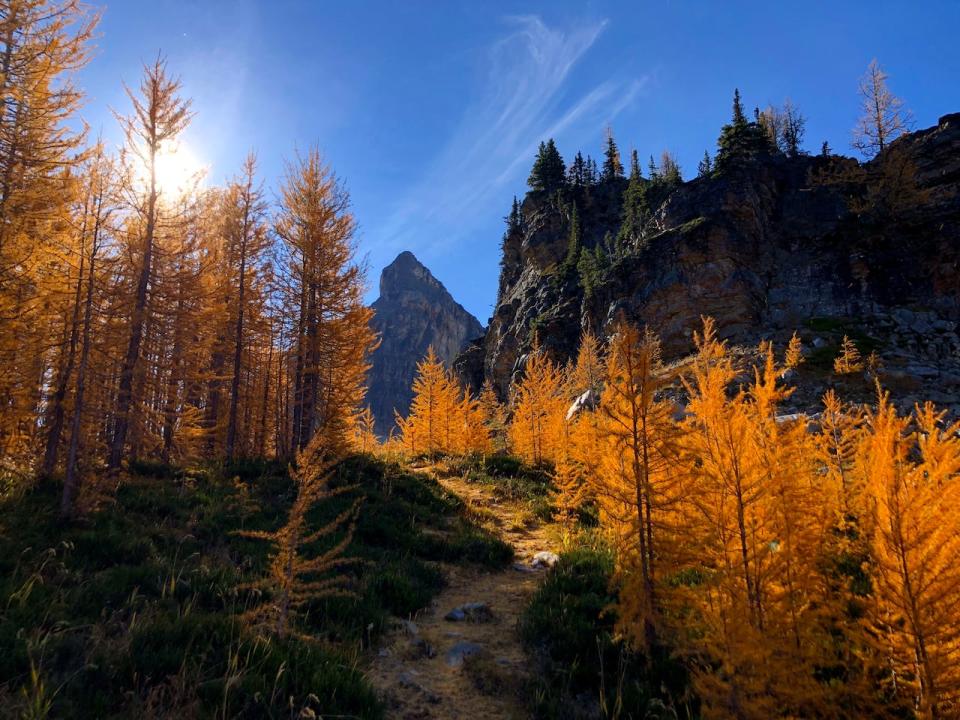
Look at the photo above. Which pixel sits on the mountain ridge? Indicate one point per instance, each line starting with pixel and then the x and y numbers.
pixel 768 246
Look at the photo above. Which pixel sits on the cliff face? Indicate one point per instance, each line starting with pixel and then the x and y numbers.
pixel 413 312
pixel 766 248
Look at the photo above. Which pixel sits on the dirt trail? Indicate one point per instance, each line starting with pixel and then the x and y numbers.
pixel 413 673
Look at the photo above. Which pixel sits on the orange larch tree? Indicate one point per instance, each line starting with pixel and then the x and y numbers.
pixel 540 404
pixel 912 467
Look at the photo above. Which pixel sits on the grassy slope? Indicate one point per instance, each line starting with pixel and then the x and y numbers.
pixel 133 610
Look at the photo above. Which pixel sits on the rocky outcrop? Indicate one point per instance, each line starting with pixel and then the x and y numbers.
pixel 413 312
pixel 767 247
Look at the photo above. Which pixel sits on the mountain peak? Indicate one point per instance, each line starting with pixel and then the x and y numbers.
pixel 413 312
pixel 407 274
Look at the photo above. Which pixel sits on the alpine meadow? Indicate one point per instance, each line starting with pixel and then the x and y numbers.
pixel 701 462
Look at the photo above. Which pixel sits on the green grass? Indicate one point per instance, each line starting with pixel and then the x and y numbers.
pixel 569 627
pixel 133 610
pixel 510 479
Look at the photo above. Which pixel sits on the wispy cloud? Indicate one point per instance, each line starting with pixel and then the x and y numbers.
pixel 524 98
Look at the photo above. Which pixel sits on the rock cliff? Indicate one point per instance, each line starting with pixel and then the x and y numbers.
pixel 414 311
pixel 818 244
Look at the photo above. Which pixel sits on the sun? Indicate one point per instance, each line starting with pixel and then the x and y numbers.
pixel 178 171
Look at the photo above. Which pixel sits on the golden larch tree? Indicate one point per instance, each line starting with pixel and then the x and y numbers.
pixel 299 573
pixel 430 422
pixel 159 116
pixel 633 485
pixel 539 410
pixel 327 317
pixel 913 482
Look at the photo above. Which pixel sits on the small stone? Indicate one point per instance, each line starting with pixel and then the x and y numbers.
pixel 406 679
pixel 473 612
pixel 384 652
pixel 544 559
pixel 460 652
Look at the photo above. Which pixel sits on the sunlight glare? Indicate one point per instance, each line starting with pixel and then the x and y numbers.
pixel 179 172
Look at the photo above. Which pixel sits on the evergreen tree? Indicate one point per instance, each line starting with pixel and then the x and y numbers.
pixel 825 149
pixel 653 171
pixel 593 176
pixel 515 219
pixel 663 180
pixel 574 240
pixel 635 211
pixel 705 167
pixel 739 119
pixel 741 139
pixel 634 166
pixel 608 243
pixel 549 172
pixel 591 266
pixel 577 172
pixel 612 166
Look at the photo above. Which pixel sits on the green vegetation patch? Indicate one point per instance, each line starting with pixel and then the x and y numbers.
pixel 136 609
pixel 510 479
pixel 569 628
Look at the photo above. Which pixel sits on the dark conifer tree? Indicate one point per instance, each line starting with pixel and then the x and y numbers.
pixel 591 266
pixel 592 174
pixel 741 139
pixel 634 165
pixel 575 240
pixel 548 173
pixel 705 167
pixel 577 172
pixel 653 172
pixel 515 218
pixel 612 165
pixel 635 211
pixel 739 119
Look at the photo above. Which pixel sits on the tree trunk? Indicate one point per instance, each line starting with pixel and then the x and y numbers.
pixel 238 341
pixel 56 409
pixel 71 480
pixel 132 358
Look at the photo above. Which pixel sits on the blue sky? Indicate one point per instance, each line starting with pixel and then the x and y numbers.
pixel 431 112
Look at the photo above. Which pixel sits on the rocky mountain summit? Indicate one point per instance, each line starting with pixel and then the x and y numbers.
pixel 413 312
pixel 822 245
